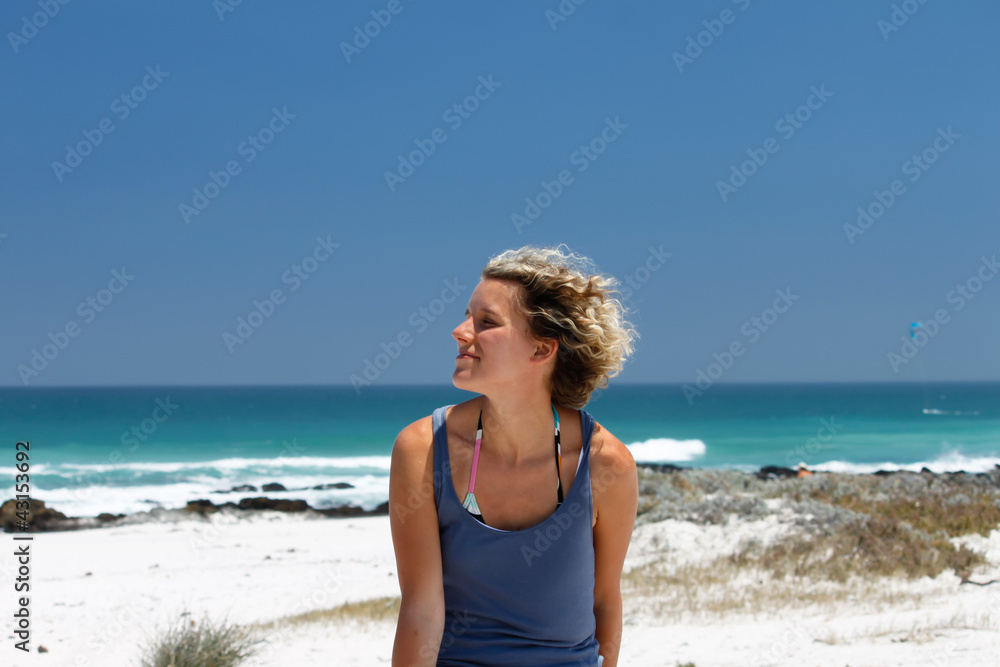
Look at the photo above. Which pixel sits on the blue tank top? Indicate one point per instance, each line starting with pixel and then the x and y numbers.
pixel 521 597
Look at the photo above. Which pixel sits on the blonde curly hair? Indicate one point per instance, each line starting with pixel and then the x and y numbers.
pixel 564 299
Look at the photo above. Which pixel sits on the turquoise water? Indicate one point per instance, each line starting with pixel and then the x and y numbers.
pixel 130 449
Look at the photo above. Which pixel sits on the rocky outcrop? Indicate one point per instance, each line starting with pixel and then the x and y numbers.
pixel 277 486
pixel 39 517
pixel 273 486
pixel 660 467
pixel 242 488
pixel 204 507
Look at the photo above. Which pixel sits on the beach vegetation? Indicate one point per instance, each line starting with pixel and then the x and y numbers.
pixel 377 609
pixel 204 643
pixel 873 546
pixel 844 539
pixel 972 512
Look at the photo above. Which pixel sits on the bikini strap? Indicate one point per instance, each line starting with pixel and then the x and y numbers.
pixel 558 457
pixel 475 454
pixel 479 443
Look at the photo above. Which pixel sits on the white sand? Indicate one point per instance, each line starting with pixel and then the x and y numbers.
pixel 144 575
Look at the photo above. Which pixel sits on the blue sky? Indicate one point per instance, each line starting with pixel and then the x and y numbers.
pixel 205 150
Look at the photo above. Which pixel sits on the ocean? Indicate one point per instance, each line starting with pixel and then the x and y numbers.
pixel 131 449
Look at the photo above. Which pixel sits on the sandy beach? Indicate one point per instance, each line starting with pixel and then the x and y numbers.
pixel 98 594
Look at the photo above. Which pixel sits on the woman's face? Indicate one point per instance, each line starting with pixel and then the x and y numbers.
pixel 497 339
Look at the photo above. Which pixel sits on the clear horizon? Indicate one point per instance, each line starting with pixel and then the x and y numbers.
pixel 439 386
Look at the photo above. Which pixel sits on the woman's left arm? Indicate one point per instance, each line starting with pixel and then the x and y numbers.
pixel 615 485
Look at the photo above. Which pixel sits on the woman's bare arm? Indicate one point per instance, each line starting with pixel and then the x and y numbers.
pixel 615 483
pixel 416 541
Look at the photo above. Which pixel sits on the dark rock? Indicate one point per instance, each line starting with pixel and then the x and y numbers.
pixel 104 517
pixel 273 486
pixel 776 472
pixel 242 488
pixel 334 485
pixel 278 504
pixel 40 517
pixel 201 506
pixel 343 511
pixel 204 507
pixel 884 473
pixel 660 467
pixel 354 510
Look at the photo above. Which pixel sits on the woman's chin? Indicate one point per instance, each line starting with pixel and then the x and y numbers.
pixel 461 380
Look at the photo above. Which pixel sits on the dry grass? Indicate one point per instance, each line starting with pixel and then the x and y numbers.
pixel 726 586
pixel 850 532
pixel 916 631
pixel 365 611
pixel 976 511
pixel 722 587
pixel 870 546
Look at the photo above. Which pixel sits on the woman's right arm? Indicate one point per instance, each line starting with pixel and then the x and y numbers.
pixel 417 544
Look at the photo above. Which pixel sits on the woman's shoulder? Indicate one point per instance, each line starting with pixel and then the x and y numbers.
pixel 614 476
pixel 415 440
pixel 609 453
pixel 420 433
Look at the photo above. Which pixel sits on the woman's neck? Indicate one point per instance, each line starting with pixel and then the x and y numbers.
pixel 517 425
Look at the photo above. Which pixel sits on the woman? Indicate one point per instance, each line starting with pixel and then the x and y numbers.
pixel 511 513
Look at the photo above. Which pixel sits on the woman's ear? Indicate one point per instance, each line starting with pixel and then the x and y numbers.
pixel 545 349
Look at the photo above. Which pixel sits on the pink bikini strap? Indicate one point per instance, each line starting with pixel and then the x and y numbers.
pixel 475 454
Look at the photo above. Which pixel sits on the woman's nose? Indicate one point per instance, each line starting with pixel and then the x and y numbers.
pixel 463 331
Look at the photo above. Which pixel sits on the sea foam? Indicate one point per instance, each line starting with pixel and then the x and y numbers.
pixel 666 450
